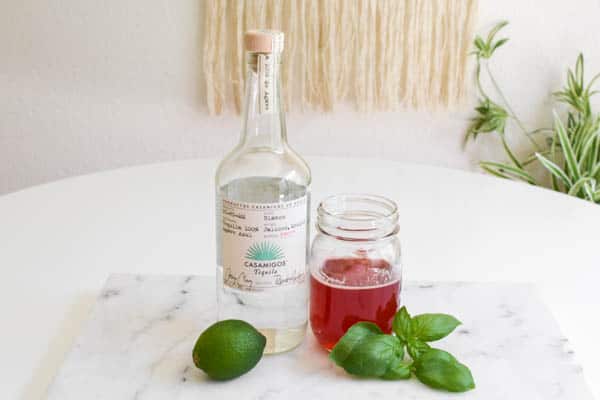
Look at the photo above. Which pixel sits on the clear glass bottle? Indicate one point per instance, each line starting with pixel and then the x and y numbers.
pixel 355 265
pixel 263 203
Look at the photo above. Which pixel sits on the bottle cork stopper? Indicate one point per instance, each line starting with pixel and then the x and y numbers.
pixel 263 41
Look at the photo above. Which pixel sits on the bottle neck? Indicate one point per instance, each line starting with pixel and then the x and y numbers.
pixel 263 120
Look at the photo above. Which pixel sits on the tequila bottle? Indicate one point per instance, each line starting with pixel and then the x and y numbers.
pixel 262 204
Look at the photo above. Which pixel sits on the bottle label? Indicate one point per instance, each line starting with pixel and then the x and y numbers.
pixel 266 81
pixel 264 244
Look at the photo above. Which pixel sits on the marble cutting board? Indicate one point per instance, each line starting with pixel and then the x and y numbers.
pixel 138 342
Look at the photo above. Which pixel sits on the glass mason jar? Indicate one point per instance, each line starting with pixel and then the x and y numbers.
pixel 355 265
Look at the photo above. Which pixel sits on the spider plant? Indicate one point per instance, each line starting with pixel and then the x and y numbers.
pixel 570 155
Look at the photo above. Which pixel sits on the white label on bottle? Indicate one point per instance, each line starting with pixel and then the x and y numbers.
pixel 264 244
pixel 265 83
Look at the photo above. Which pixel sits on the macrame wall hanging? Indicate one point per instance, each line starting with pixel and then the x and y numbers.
pixel 375 54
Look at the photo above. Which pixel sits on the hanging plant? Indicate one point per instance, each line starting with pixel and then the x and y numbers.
pixel 570 151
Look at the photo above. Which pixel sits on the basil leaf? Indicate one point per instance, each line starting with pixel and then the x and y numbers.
pixel 351 338
pixel 440 370
pixel 431 327
pixel 398 371
pixel 402 326
pixel 416 348
pixel 374 356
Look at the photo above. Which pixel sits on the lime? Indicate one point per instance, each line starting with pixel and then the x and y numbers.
pixel 228 349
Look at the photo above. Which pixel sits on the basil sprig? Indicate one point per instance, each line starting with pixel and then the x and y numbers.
pixel 366 351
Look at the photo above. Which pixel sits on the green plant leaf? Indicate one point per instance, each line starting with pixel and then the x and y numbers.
pixel 493 171
pixel 491 118
pixel 506 171
pixel 591 84
pixel 595 158
pixel 374 356
pixel 554 170
pixel 402 326
pixel 588 189
pixel 499 43
pixel 401 370
pixel 494 31
pixel 479 43
pixel 588 148
pixel 485 48
pixel 416 347
pixel 356 334
pixel 579 185
pixel 596 170
pixel 440 370
pixel 566 147
pixel 432 327
pixel 553 147
pixel 579 71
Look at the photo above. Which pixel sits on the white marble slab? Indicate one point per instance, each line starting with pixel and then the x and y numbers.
pixel 138 344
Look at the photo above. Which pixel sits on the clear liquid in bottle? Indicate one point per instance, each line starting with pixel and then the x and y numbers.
pixel 262 204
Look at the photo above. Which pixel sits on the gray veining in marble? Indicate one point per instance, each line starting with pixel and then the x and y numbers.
pixel 137 345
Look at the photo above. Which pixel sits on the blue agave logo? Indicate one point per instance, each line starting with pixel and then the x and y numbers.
pixel 264 251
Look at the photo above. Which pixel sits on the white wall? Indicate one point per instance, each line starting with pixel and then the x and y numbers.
pixel 91 85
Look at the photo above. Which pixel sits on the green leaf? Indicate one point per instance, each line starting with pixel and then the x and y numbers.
pixel 440 370
pixel 554 170
pixel 416 348
pixel 485 49
pixel 479 43
pixel 401 370
pixel 506 171
pixel 356 334
pixel 579 185
pixel 588 189
pixel 572 82
pixel 566 148
pixel 591 84
pixel 374 356
pixel 553 147
pixel 491 117
pixel 595 170
pixel 587 148
pixel 431 327
pixel 499 43
pixel 493 171
pixel 579 70
pixel 496 29
pixel 402 326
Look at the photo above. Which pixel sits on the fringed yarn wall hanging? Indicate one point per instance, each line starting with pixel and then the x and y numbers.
pixel 375 54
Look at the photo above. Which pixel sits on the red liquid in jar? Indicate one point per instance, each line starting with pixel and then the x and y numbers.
pixel 349 290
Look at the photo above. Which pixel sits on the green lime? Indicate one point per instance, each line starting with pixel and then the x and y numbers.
pixel 228 349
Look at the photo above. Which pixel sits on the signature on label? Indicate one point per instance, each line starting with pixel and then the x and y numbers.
pixel 240 281
pixel 299 278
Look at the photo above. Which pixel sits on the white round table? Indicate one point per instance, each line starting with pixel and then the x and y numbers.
pixel 60 241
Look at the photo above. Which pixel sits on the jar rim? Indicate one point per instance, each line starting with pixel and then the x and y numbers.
pixel 357 216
